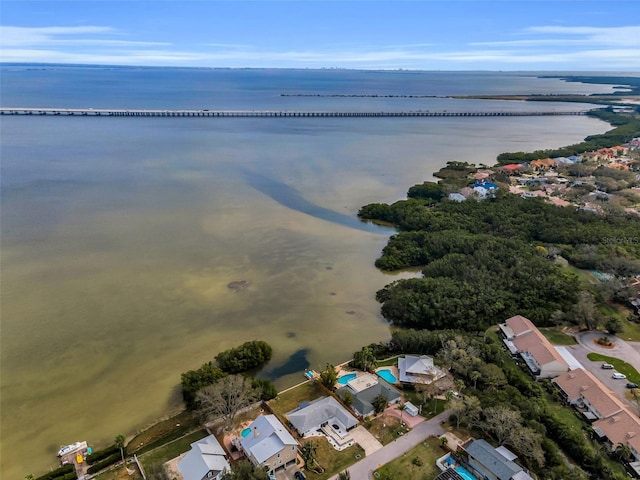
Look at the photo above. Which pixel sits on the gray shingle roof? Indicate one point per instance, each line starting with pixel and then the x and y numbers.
pixel 205 456
pixel 268 437
pixel 318 412
pixel 486 455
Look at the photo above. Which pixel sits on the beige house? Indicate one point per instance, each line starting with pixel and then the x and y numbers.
pixel 269 444
pixel 614 423
pixel 584 391
pixel 523 338
pixel 621 428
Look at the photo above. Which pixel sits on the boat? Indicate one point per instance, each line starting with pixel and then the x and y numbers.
pixel 71 448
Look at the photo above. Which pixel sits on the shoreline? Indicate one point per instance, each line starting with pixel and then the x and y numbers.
pixel 173 413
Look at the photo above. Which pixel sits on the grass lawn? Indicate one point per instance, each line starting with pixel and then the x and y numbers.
pixel 417 464
pixel 630 331
pixel 385 428
pixel 388 362
pixel 171 450
pixel 556 337
pixel 162 432
pixel 120 473
pixel 620 365
pixel 332 460
pixel 289 400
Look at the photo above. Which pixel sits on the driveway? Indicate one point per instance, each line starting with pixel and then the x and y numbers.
pixel 621 350
pixel 364 468
pixel 368 442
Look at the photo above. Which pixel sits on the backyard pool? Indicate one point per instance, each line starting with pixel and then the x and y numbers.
pixel 344 379
pixel 464 473
pixel 387 375
pixel 245 432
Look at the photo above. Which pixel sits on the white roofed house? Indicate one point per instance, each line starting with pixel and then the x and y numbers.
pixel 269 444
pixel 205 460
pixel 325 416
pixel 414 369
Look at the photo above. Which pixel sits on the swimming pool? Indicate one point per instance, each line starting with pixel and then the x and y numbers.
pixel 464 473
pixel 245 432
pixel 387 375
pixel 344 379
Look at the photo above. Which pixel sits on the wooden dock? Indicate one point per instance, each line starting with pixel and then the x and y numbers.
pixel 103 112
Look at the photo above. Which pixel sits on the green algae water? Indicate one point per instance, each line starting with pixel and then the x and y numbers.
pixel 120 236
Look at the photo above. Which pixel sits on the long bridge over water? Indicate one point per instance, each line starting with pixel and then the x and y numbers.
pixel 110 112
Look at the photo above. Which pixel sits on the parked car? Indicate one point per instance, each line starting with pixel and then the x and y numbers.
pixel 299 476
pixel 632 385
pixel 607 366
pixel 618 376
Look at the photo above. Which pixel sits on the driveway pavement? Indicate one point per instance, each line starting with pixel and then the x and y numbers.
pixel 368 442
pixel 621 350
pixel 364 468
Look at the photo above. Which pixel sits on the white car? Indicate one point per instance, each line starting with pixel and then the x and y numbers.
pixel 619 376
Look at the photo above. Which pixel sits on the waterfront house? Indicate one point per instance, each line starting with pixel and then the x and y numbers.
pixel 205 460
pixel 324 416
pixel 364 390
pixel 269 444
pixel 418 369
pixel 522 338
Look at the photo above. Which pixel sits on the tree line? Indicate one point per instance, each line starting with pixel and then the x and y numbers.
pixel 241 359
pixel 626 128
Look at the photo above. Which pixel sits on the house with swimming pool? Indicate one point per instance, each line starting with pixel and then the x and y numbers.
pixel 365 388
pixel 269 444
pixel 479 460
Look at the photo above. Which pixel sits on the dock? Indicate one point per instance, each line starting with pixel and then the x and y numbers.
pixel 109 112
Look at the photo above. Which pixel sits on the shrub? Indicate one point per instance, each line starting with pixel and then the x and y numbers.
pixel 104 463
pixel 66 472
pixel 96 456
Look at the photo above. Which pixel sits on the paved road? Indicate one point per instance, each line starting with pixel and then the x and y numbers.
pixel 364 468
pixel 622 350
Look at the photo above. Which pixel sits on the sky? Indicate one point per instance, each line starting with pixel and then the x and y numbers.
pixel 569 35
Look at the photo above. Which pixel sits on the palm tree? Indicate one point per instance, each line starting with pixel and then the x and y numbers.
pixel 119 443
pixel 402 407
pixel 449 396
pixel 474 377
pixel 622 452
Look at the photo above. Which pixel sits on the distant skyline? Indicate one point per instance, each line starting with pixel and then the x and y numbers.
pixel 422 35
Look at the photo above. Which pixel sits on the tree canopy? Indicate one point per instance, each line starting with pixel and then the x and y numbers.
pixel 245 357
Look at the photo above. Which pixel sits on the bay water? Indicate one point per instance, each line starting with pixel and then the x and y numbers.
pixel 120 236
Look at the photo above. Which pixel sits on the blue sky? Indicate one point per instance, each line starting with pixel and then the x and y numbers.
pixel 428 35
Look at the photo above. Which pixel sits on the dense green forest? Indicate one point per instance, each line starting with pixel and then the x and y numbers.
pixel 488 260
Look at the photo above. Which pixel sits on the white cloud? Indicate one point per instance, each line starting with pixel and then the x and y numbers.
pixel 571 48
pixel 50 36
pixel 600 37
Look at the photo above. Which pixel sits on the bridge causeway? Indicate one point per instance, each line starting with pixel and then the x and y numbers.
pixel 99 112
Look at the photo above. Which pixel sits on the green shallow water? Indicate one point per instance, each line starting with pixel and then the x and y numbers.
pixel 119 240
